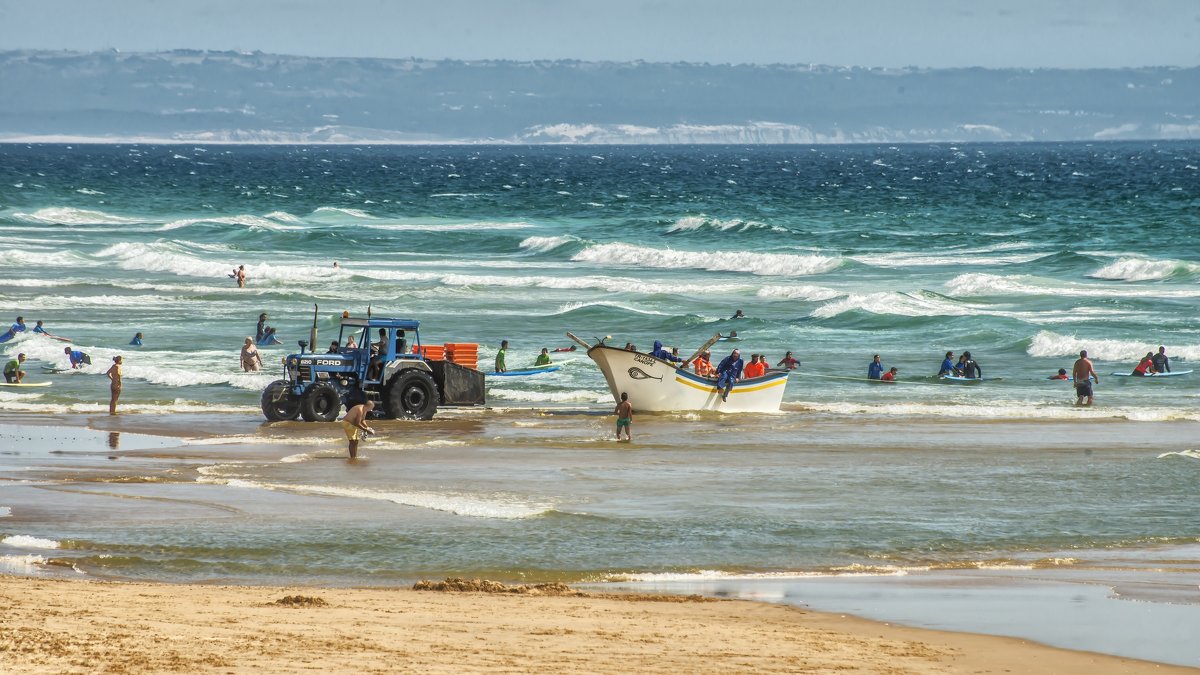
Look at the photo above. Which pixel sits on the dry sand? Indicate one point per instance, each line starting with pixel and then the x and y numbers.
pixel 77 626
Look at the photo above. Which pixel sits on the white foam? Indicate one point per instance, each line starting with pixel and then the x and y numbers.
pixel 250 439
pixel 1044 410
pixel 353 213
pixel 448 227
pixel 947 258
pixel 5 511
pixel 1050 344
pixel 26 541
pixel 804 292
pixel 572 306
pixel 765 264
pixel 72 216
pixel 1190 454
pixel 248 221
pixel 1145 269
pixel 21 564
pixel 504 508
pixel 689 223
pixel 546 244
pixel 982 284
pixel 292 459
pixel 888 302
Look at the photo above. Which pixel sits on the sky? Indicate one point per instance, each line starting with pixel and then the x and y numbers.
pixel 888 33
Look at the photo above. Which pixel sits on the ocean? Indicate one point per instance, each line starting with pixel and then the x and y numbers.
pixel 1022 254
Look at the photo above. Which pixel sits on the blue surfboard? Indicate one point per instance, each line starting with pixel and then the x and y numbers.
pixel 526 372
pixel 1177 373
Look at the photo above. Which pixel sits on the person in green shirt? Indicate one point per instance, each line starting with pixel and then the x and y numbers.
pixel 500 367
pixel 12 370
pixel 543 359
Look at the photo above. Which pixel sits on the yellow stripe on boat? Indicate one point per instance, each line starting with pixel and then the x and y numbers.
pixel 736 389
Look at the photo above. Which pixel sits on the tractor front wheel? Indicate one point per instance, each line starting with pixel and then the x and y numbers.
pixel 278 402
pixel 321 403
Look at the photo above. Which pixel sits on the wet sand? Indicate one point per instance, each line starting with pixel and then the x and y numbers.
pixel 75 626
pixel 125 627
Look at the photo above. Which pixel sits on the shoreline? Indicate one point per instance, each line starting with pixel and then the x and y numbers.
pixel 77 626
pixel 914 598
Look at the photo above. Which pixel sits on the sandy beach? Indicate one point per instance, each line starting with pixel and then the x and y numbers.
pixel 75 626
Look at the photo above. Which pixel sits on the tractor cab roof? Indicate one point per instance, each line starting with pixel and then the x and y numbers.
pixel 399 324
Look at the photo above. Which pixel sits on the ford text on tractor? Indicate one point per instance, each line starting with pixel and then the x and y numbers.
pixel 384 367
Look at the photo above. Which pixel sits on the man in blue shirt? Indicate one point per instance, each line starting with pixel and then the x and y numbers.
pixel 659 353
pixel 875 369
pixel 728 372
pixel 77 358
pixel 947 365
pixel 18 327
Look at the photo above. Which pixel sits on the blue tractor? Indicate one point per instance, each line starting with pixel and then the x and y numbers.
pixel 385 366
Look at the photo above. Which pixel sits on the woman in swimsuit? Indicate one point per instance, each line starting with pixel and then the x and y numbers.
pixel 114 374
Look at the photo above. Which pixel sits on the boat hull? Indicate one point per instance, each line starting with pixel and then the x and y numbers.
pixel 656 385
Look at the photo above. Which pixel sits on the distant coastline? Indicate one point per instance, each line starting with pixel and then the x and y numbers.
pixel 193 96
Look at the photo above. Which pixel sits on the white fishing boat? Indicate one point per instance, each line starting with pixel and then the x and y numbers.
pixel 661 386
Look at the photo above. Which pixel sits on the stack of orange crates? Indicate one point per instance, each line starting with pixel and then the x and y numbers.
pixel 433 352
pixel 463 353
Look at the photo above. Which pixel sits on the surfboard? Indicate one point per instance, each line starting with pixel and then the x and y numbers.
pixel 527 371
pixel 1177 373
pixel 956 378
pixel 729 339
pixel 26 384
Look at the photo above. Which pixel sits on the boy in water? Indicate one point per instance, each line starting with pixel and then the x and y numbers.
pixel 625 417
pixel 355 425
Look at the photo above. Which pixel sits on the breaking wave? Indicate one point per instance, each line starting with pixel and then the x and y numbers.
pixel 753 262
pixel 1050 344
pixel 1146 269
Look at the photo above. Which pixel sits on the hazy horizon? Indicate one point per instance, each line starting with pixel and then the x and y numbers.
pixel 922 34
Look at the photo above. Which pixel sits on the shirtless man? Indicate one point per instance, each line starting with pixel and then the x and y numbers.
pixel 625 417
pixel 355 425
pixel 1083 374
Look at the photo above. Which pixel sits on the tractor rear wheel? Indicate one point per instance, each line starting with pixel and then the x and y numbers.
pixel 321 403
pixel 278 402
pixel 412 395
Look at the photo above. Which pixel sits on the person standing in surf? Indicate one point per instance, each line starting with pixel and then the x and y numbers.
pixel 1083 373
pixel 240 276
pixel 971 369
pixel 355 425
pixel 624 413
pixel 500 367
pixel 251 359
pixel 1162 364
pixel 114 374
pixel 947 367
pixel 875 368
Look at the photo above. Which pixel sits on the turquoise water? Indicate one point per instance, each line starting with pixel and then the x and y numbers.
pixel 1022 254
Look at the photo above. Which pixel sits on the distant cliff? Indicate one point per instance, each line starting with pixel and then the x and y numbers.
pixel 198 96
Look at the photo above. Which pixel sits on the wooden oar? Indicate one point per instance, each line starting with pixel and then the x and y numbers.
pixel 580 342
pixel 712 341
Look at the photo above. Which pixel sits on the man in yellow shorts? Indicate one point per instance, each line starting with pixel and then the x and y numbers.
pixel 355 425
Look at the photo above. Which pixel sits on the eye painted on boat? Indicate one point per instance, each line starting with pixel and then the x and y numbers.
pixel 639 374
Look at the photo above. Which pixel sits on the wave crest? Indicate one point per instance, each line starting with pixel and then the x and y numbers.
pixel 753 262
pixel 1146 269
